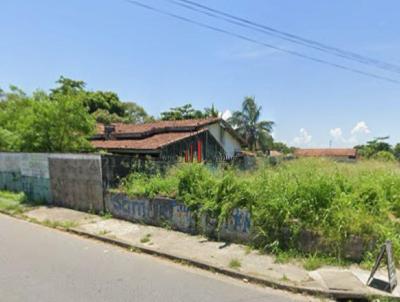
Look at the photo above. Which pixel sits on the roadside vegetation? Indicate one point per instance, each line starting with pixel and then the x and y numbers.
pixel 12 203
pixel 332 201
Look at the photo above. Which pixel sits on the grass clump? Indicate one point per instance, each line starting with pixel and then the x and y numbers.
pixel 332 201
pixel 235 263
pixel 66 224
pixel 146 238
pixel 13 203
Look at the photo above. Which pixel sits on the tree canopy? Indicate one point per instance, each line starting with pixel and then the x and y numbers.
pixel 256 132
pixel 61 120
pixel 42 124
pixel 187 112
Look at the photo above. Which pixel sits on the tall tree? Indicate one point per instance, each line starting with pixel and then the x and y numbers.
pixel 211 112
pixel 136 114
pixel 247 122
pixel 105 106
pixel 184 112
pixel 40 123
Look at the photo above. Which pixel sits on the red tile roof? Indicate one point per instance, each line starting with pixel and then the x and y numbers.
pixel 345 152
pixel 153 142
pixel 157 127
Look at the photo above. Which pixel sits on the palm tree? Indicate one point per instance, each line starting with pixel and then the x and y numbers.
pixel 246 122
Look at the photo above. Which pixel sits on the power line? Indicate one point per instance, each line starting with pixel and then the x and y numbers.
pixel 242 37
pixel 218 14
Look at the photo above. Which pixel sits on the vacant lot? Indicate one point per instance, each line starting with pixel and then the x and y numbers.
pixel 332 201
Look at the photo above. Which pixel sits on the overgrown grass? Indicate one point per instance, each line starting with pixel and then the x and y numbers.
pixel 334 201
pixel 12 203
pixel 66 224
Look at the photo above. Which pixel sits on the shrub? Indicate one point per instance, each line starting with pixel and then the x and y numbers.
pixel 384 156
pixel 333 201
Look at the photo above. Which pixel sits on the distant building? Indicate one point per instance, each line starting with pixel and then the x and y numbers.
pixel 194 140
pixel 274 153
pixel 336 153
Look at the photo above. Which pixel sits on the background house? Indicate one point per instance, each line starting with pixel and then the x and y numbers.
pixel 196 139
pixel 335 153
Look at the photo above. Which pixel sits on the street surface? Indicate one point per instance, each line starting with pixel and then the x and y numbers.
pixel 42 264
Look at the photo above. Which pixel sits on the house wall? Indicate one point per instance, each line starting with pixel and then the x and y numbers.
pixel 229 143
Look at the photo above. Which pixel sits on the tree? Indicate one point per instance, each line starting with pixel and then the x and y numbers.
pixel 373 147
pixel 281 147
pixel 105 106
pixel 184 112
pixel 68 86
pixel 41 123
pixel 247 123
pixel 136 114
pixel 211 112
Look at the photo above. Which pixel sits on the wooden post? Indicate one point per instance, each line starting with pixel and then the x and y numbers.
pixel 199 150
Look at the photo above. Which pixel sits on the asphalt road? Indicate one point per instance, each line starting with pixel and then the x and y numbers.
pixel 42 264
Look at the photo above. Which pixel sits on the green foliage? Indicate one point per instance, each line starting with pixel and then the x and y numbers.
pixel 281 147
pixel 40 123
pixel 136 114
pixel 384 156
pixel 335 201
pixel 62 120
pixel 181 113
pixel 12 203
pixel 186 112
pixel 373 147
pixel 235 263
pixel 247 123
pixel 104 105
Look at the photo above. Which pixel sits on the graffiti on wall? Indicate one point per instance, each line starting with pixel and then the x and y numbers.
pixel 161 212
pixel 157 211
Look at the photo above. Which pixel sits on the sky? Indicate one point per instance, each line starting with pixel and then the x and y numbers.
pixel 160 62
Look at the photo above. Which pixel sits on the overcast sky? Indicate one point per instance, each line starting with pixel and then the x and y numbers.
pixel 160 62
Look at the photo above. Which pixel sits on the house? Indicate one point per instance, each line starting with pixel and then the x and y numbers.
pixel 196 139
pixel 335 153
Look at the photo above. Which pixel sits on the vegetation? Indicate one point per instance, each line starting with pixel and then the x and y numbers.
pixel 59 121
pixel 247 123
pixel 146 238
pixel 12 203
pixel 334 201
pixel 235 263
pixel 186 112
pixel 379 149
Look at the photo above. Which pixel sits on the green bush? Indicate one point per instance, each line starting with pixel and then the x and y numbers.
pixel 333 200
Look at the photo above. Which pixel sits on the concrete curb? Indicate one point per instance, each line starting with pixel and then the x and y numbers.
pixel 333 294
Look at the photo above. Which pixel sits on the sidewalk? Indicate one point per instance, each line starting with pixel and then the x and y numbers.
pixel 231 259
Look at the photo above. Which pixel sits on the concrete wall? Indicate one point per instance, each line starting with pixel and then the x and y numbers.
pixel 25 172
pixel 68 179
pixel 168 212
pixel 76 181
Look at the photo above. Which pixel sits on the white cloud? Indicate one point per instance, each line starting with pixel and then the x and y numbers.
pixel 358 133
pixel 304 138
pixel 226 114
pixel 360 128
pixel 337 134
